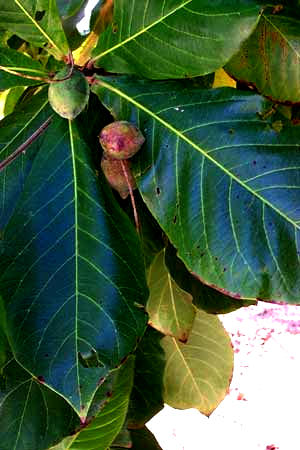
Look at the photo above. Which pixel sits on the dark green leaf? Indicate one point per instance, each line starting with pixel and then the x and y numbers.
pixel 169 307
pixel 152 38
pixel 14 130
pixel 151 235
pixel 103 429
pixel 147 393
pixel 198 373
pixel 73 279
pixel 4 346
pixel 204 297
pixel 270 58
pixel 18 62
pixel 144 439
pixel 36 21
pixel 32 416
pixel 221 181
pixel 123 440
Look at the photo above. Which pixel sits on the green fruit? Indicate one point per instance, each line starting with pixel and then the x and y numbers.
pixel 69 97
pixel 113 171
pixel 121 140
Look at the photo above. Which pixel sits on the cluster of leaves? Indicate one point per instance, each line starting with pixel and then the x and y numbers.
pixel 101 325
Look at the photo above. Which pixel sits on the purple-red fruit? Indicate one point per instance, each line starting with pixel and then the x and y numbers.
pixel 121 140
pixel 114 173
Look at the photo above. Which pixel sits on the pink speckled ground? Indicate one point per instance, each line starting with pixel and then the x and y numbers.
pixel 262 408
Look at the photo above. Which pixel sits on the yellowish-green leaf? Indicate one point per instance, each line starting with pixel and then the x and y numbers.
pixel 169 307
pixel 198 373
pixel 222 79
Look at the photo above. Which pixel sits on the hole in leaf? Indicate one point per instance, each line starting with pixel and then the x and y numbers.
pixel 174 219
pixel 158 191
pixel 39 15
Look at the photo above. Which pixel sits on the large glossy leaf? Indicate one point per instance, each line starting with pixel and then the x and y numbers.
pixel 222 182
pixel 270 58
pixel 169 307
pixel 32 416
pixel 14 131
pixel 11 60
pixel 103 429
pixel 147 393
pixel 198 373
pixel 204 297
pixel 35 21
pixel 73 271
pixel 174 38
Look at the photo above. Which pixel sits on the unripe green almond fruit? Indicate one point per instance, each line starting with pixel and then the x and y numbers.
pixel 113 171
pixel 69 97
pixel 121 139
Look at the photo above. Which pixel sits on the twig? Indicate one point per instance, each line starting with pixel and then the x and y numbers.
pixel 136 217
pixel 26 144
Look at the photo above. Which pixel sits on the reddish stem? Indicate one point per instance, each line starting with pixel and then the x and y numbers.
pixel 136 217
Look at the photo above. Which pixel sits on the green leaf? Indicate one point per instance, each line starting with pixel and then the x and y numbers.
pixel 270 58
pixel 11 60
pixel 14 130
pixel 198 373
pixel 104 428
pixel 151 235
pixel 144 439
pixel 169 307
pixel 147 393
pixel 12 98
pixel 204 297
pixel 36 21
pixel 32 416
pixel 123 440
pixel 221 181
pixel 65 444
pixel 73 273
pixel 152 38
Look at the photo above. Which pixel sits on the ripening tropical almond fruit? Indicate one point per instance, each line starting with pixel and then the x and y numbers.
pixel 121 139
pixel 69 97
pixel 114 173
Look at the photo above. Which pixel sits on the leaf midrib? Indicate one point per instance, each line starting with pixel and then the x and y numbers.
pixel 76 250
pixel 172 129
